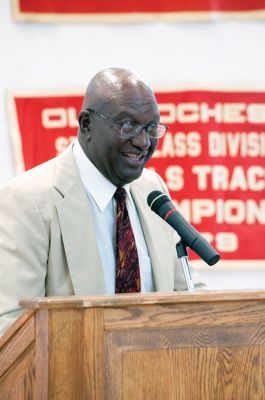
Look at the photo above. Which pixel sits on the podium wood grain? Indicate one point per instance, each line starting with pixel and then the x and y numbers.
pixel 185 346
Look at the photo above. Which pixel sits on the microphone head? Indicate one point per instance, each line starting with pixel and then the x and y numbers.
pixel 156 199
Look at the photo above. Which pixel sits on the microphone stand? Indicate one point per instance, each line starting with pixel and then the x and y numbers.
pixel 183 256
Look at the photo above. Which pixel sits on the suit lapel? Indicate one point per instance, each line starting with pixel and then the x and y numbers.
pixel 158 238
pixel 77 228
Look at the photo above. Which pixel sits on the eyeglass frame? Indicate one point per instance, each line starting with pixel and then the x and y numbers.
pixel 145 127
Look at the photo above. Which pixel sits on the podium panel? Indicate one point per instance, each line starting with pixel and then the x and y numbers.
pixel 185 346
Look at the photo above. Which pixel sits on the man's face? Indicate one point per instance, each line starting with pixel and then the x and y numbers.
pixel 121 160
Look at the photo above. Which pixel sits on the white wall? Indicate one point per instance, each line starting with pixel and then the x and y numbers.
pixel 67 55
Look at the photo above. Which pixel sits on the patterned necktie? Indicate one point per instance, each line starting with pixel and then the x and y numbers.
pixel 127 264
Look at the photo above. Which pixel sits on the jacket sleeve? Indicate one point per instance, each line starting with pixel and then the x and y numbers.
pixel 23 251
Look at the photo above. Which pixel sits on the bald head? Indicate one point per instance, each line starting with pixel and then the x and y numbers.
pixel 117 110
pixel 108 85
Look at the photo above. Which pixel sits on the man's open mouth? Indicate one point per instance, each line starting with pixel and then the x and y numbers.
pixel 134 156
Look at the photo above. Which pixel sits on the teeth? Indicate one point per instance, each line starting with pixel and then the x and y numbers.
pixel 135 156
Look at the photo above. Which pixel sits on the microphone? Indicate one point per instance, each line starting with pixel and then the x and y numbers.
pixel 161 204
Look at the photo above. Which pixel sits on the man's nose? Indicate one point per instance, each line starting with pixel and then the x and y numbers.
pixel 142 140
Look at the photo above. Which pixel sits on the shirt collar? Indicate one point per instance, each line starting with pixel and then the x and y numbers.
pixel 99 187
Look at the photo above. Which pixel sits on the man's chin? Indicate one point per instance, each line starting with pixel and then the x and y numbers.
pixel 130 176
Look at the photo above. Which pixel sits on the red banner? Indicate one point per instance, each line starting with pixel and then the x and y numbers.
pixel 119 10
pixel 211 158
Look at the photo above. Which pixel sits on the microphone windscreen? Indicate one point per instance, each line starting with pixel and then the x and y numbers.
pixel 156 199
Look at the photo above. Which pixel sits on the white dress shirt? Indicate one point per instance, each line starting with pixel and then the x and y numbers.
pixel 100 193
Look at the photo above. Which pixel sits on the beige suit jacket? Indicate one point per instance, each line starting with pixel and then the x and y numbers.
pixel 47 237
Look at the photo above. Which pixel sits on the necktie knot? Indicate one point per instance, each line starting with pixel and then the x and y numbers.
pixel 120 194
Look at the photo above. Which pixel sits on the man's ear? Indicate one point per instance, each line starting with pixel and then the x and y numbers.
pixel 84 120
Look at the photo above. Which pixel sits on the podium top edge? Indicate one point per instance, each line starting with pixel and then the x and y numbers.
pixel 134 299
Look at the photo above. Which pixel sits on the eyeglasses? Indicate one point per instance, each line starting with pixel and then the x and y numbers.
pixel 129 128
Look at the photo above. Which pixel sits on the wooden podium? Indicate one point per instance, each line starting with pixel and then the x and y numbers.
pixel 184 346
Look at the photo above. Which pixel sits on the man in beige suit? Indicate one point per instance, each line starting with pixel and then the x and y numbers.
pixel 57 220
